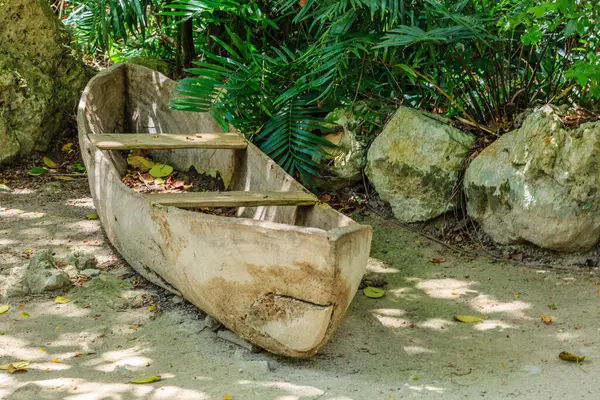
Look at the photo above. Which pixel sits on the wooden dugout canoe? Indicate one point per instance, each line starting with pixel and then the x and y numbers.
pixel 281 274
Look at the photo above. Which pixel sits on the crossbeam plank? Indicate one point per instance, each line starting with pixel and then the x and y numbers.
pixel 232 199
pixel 134 141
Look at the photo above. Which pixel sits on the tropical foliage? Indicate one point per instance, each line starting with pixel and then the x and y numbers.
pixel 274 68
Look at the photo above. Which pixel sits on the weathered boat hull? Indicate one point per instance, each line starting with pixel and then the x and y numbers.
pixel 280 277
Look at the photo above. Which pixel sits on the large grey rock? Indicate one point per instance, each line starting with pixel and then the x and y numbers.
pixel 40 77
pixel 415 164
pixel 152 63
pixel 539 184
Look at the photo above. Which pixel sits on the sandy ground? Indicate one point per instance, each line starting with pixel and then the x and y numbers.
pixel 404 345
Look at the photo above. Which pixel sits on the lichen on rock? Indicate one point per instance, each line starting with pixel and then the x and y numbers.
pixel 539 184
pixel 416 162
pixel 40 77
pixel 352 134
pixel 38 276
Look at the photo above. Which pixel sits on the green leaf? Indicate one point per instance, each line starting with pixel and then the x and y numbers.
pixel 4 308
pixel 61 300
pixel 147 379
pixel 161 170
pixel 37 171
pixel 533 36
pixel 468 318
pixel 78 167
pixel 91 216
pixel 373 292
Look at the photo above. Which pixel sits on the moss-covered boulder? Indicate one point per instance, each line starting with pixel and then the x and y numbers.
pixel 40 77
pixel 152 63
pixel 416 162
pixel 539 184
pixel 347 160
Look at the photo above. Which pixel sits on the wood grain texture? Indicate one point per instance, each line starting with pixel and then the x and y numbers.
pixel 133 141
pixel 232 199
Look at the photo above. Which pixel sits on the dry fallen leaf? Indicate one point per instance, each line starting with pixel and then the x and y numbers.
pixel 63 177
pixel 570 357
pixel 56 360
pixel 15 366
pixel 517 295
pixel 147 379
pixel 547 320
pixel 468 318
pixel 49 162
pixel 79 355
pixel 61 300
pixel 437 260
pixel 227 397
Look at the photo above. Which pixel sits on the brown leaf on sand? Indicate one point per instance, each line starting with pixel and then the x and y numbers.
pixel 437 260
pixel 566 356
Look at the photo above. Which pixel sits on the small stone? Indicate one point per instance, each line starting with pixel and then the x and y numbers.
pixel 241 355
pixel 83 260
pixel 51 188
pixel 257 366
pixel 90 272
pixel 72 271
pixel 15 283
pixel 235 339
pixel 40 281
pixel 42 259
pixel 178 300
pixel 211 323
pixel 374 280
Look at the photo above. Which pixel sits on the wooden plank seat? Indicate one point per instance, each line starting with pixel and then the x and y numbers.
pixel 134 141
pixel 232 199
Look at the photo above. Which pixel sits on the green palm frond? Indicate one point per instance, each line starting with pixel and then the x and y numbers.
pixel 289 138
pixel 99 23
pixel 189 8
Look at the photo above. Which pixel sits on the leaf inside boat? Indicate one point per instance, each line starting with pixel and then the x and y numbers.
pixel 160 170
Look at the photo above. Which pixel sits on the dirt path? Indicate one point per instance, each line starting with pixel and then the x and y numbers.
pixel 405 345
